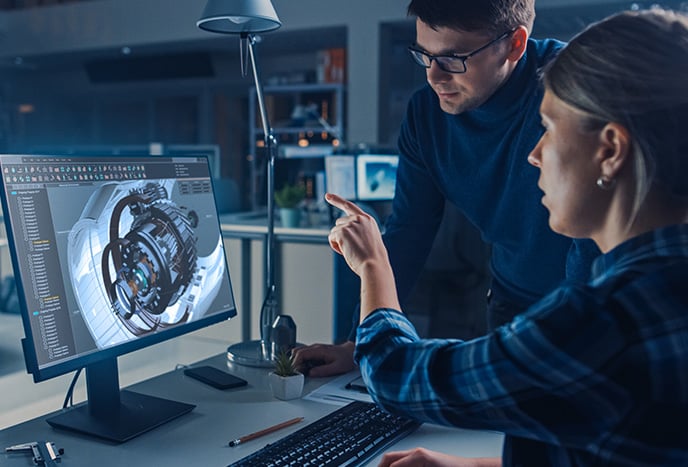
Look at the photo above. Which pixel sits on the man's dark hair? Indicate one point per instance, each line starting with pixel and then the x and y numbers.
pixel 493 16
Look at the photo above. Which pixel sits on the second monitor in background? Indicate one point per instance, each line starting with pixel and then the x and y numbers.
pixel 362 177
pixel 376 177
pixel 340 175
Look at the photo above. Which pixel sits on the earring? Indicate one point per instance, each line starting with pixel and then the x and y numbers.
pixel 605 183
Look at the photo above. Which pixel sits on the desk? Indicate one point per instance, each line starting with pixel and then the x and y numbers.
pixel 200 438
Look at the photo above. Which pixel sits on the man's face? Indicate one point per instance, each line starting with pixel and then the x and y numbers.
pixel 485 71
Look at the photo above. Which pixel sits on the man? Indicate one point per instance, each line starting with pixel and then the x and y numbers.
pixel 465 139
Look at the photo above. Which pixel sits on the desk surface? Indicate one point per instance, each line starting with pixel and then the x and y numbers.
pixel 200 438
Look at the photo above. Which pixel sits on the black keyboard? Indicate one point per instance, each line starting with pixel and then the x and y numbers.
pixel 348 436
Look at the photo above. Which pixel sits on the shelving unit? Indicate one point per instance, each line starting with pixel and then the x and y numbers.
pixel 400 77
pixel 306 119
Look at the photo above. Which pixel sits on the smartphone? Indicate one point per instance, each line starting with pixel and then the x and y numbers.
pixel 214 377
pixel 357 385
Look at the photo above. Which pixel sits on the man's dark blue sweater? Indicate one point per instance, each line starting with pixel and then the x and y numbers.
pixel 478 161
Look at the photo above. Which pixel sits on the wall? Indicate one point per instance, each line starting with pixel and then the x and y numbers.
pixel 108 25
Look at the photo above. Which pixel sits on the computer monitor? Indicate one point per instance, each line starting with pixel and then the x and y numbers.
pixel 376 177
pixel 340 175
pixel 112 254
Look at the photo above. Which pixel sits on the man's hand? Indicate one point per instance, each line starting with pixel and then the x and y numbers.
pixel 321 360
pixel 426 458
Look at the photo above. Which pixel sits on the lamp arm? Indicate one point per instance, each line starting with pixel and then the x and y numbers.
pixel 267 130
pixel 268 311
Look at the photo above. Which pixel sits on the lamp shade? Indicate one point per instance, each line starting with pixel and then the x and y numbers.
pixel 239 16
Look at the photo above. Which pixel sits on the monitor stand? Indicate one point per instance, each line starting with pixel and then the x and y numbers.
pixel 112 414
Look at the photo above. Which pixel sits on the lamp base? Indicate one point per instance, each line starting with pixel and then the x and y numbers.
pixel 250 353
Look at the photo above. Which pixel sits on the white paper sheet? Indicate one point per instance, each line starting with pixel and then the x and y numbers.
pixel 336 393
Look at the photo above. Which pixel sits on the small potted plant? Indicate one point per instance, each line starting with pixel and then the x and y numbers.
pixel 285 380
pixel 288 199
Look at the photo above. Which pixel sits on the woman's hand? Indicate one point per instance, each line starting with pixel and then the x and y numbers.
pixel 357 238
pixel 426 458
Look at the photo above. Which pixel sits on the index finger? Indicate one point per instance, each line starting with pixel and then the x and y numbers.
pixel 347 206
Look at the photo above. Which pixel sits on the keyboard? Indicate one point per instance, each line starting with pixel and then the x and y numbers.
pixel 349 436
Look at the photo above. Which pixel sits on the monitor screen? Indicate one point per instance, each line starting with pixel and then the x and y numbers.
pixel 340 176
pixel 376 176
pixel 112 254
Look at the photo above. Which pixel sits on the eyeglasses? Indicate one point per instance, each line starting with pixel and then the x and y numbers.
pixel 451 63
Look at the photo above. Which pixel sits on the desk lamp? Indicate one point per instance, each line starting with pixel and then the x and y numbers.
pixel 247 18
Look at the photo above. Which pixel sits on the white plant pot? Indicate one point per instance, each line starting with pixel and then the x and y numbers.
pixel 286 387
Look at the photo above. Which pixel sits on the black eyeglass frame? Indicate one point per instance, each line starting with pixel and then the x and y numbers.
pixel 418 55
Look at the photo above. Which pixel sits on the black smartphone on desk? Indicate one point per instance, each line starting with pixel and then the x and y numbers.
pixel 216 378
pixel 357 385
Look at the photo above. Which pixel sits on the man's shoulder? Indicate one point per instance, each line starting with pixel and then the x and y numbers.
pixel 544 50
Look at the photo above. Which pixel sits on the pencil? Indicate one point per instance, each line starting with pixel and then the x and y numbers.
pixel 267 431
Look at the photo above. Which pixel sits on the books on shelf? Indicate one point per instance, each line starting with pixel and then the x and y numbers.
pixel 331 66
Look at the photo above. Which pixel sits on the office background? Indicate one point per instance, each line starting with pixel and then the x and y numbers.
pixel 133 72
pixel 138 75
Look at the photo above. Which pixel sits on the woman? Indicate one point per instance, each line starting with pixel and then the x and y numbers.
pixel 594 374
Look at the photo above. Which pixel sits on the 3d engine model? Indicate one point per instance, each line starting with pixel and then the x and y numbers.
pixel 154 262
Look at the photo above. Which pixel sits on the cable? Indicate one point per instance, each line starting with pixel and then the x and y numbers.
pixel 69 398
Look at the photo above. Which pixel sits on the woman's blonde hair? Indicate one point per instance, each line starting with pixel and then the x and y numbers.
pixel 632 69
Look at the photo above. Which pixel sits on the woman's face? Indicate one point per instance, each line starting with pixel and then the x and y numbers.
pixel 565 156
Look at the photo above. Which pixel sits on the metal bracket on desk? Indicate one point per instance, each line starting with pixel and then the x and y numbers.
pixel 44 452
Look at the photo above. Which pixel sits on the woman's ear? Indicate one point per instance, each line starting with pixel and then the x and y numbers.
pixel 518 42
pixel 614 150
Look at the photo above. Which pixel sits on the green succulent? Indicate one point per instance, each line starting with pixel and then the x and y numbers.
pixel 284 364
pixel 290 195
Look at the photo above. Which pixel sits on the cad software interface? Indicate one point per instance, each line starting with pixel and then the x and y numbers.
pixel 113 249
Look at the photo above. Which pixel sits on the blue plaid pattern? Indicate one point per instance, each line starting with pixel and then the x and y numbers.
pixel 592 374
